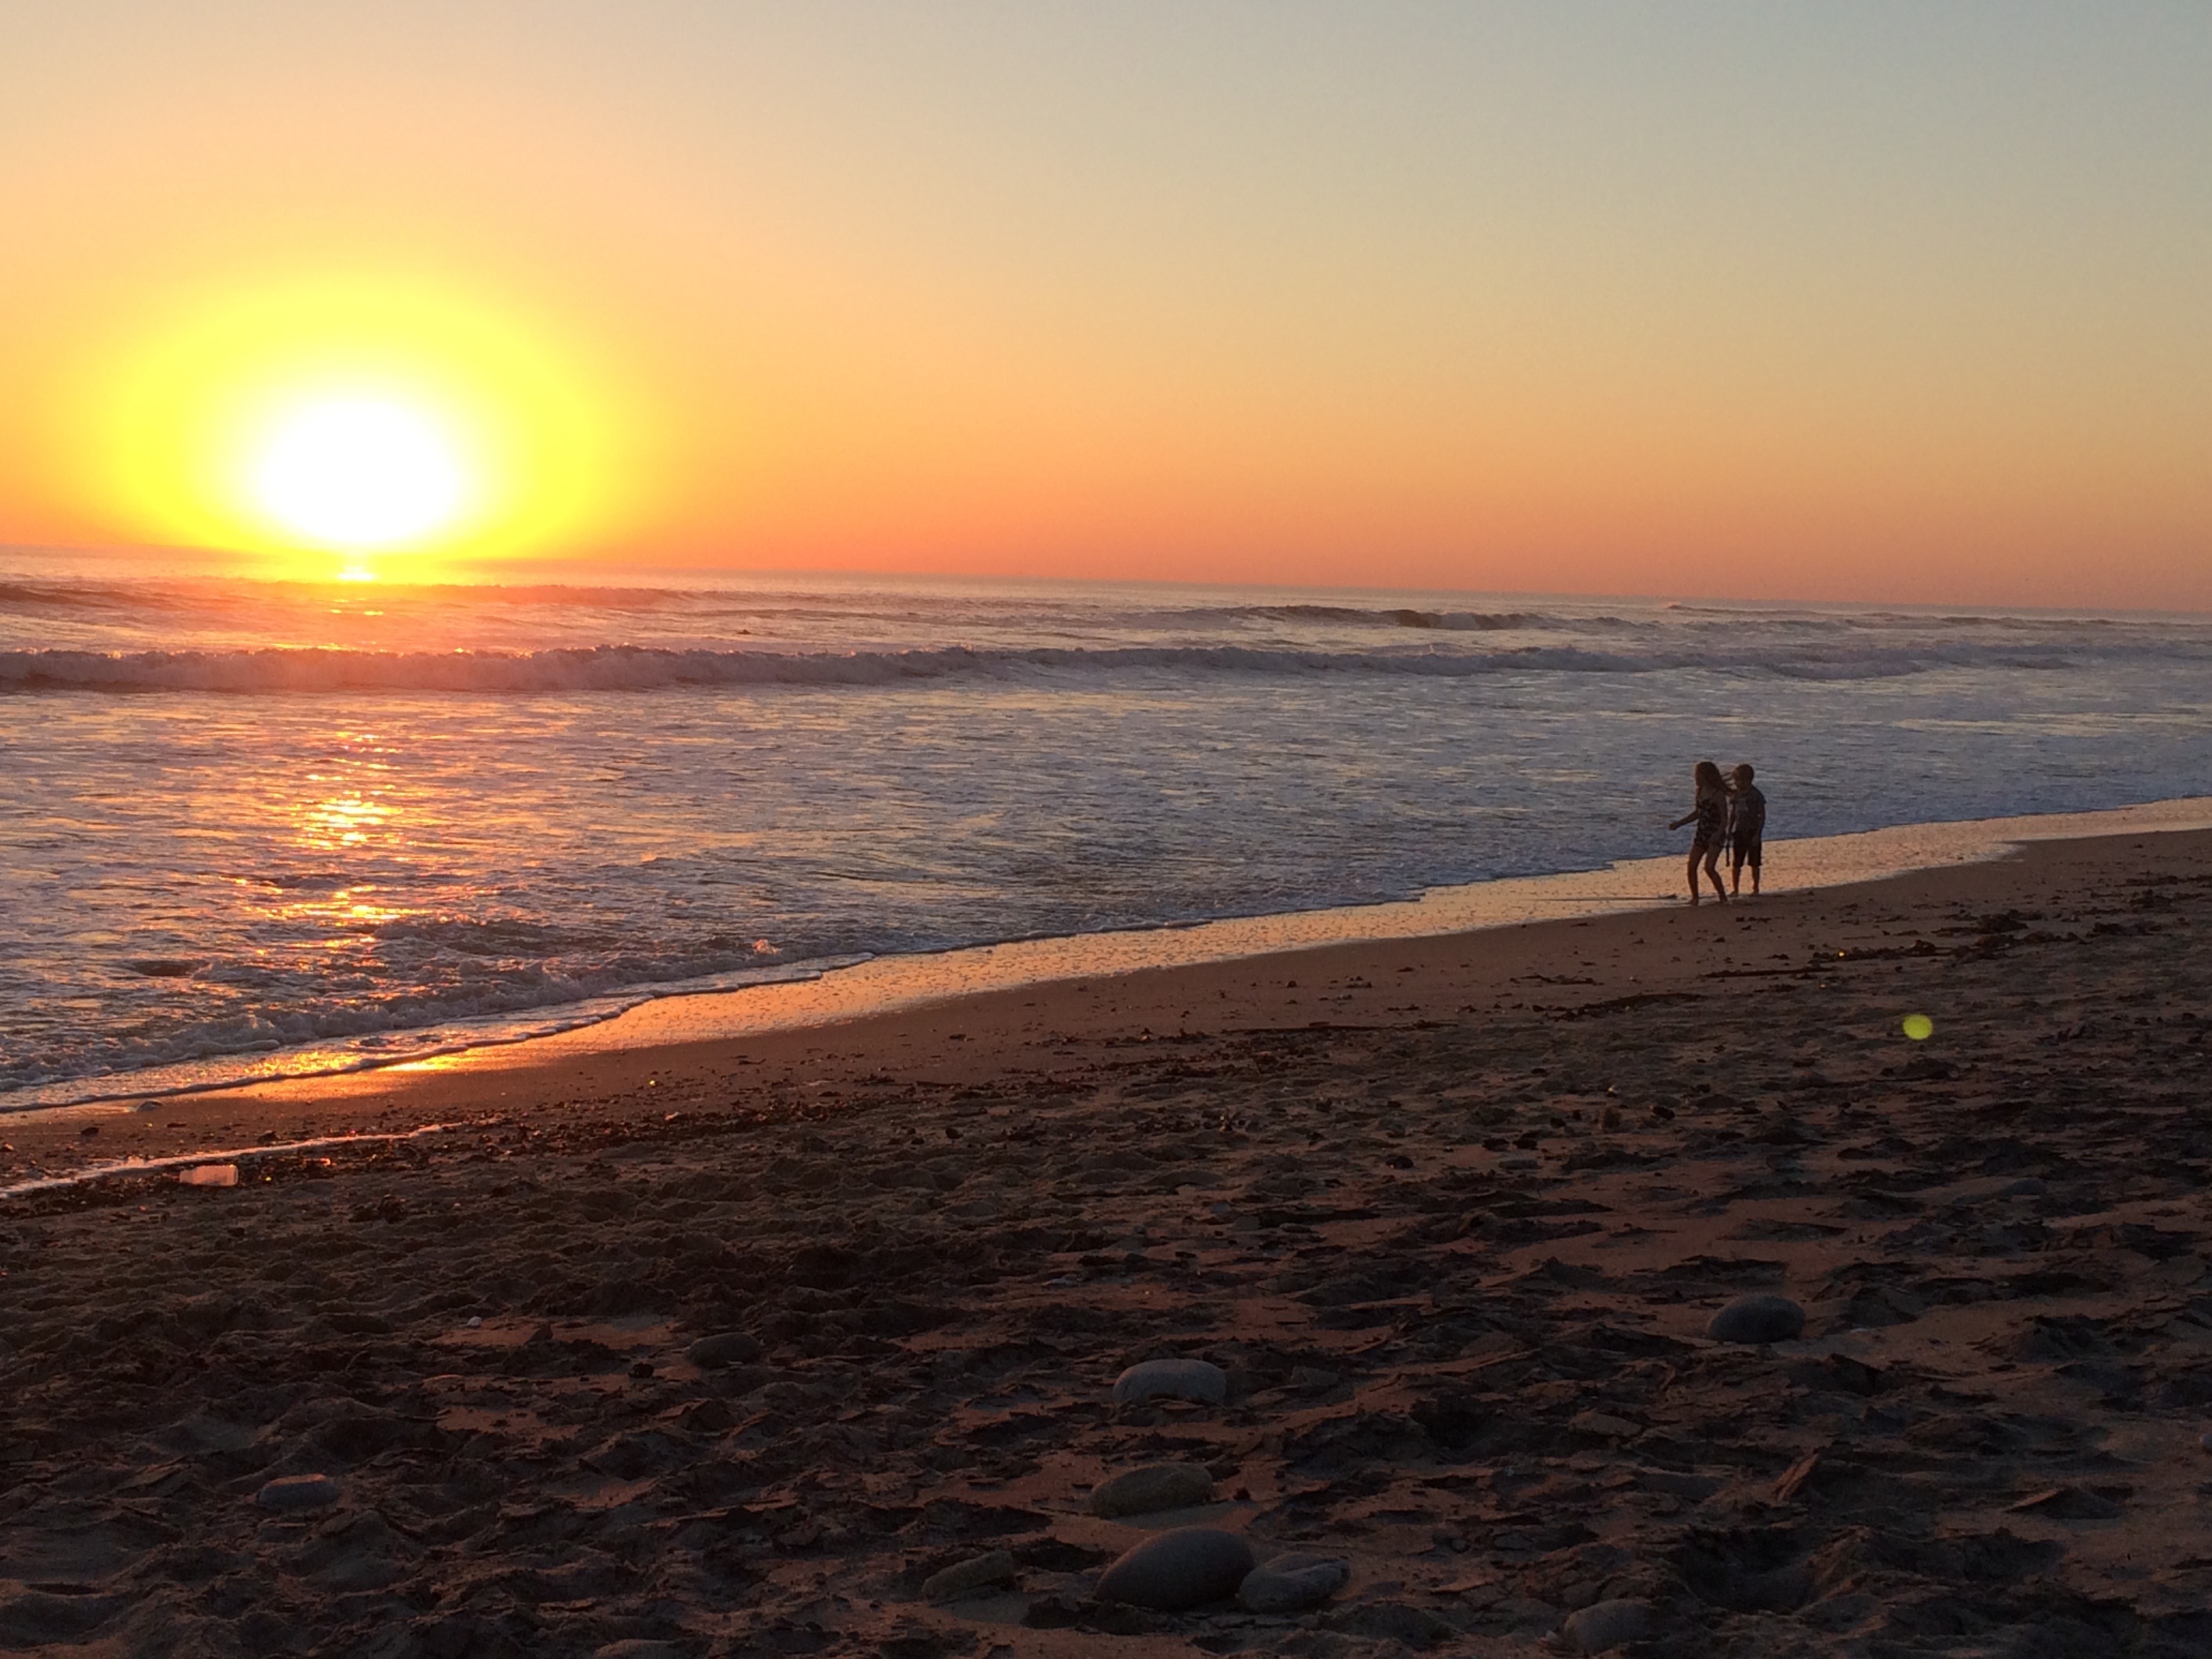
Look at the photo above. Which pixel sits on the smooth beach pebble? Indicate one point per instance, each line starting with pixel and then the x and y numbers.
pixel 1184 1379
pixel 1605 1423
pixel 1156 1486
pixel 1185 1568
pixel 961 1578
pixel 712 1353
pixel 1291 1583
pixel 1604 1625
pixel 1757 1319
pixel 289 1494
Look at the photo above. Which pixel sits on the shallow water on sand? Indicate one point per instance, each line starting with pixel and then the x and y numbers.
pixel 883 984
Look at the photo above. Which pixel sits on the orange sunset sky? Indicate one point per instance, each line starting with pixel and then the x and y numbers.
pixel 1886 300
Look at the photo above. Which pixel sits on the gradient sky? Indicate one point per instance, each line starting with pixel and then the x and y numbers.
pixel 1901 299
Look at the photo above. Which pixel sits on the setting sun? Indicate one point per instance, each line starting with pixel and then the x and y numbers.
pixel 360 473
pixel 294 420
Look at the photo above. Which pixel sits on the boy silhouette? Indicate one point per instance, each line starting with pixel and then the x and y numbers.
pixel 1747 825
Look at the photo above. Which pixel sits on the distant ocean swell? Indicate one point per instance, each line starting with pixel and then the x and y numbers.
pixel 1447 622
pixel 646 668
pixel 160 597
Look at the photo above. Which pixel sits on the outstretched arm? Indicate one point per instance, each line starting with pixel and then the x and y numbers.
pixel 1684 819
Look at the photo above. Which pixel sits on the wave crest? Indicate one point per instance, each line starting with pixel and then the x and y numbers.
pixel 647 668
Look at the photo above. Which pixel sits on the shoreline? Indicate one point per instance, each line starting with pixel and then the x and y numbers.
pixel 811 995
pixel 1000 1013
pixel 888 984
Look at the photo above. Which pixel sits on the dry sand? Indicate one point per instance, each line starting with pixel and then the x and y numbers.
pixel 1452 1213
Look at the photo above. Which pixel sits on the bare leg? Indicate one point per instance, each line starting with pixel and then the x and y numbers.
pixel 1735 875
pixel 1693 875
pixel 1754 881
pixel 1713 869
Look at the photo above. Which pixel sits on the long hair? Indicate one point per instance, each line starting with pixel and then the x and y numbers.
pixel 1709 776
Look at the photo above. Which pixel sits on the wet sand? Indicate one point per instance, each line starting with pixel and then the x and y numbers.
pixel 1450 1214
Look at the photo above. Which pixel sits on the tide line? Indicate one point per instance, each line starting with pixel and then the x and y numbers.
pixel 136 1166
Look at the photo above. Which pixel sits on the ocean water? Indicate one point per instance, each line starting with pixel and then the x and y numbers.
pixel 250 827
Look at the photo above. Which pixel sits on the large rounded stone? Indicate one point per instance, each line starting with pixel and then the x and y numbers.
pixel 1291 1583
pixel 1183 1379
pixel 1173 1570
pixel 1156 1486
pixel 969 1578
pixel 1757 1319
pixel 714 1353
pixel 1604 1625
pixel 292 1494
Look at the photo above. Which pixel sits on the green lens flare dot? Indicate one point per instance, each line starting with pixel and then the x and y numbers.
pixel 1919 1027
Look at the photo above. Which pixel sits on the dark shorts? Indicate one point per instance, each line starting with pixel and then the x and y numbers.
pixel 1747 850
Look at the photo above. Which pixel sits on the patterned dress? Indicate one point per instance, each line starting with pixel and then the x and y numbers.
pixel 1712 817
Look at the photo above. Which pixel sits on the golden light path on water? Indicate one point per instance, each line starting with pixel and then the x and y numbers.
pixel 888 983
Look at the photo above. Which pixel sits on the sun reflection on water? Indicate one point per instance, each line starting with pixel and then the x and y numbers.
pixel 341 821
pixel 346 809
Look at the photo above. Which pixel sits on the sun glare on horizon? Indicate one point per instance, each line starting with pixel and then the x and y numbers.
pixel 360 473
pixel 359 419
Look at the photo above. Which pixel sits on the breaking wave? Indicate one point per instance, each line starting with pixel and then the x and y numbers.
pixel 647 668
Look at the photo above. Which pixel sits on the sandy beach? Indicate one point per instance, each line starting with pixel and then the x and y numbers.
pixel 730 1348
pixel 865 830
